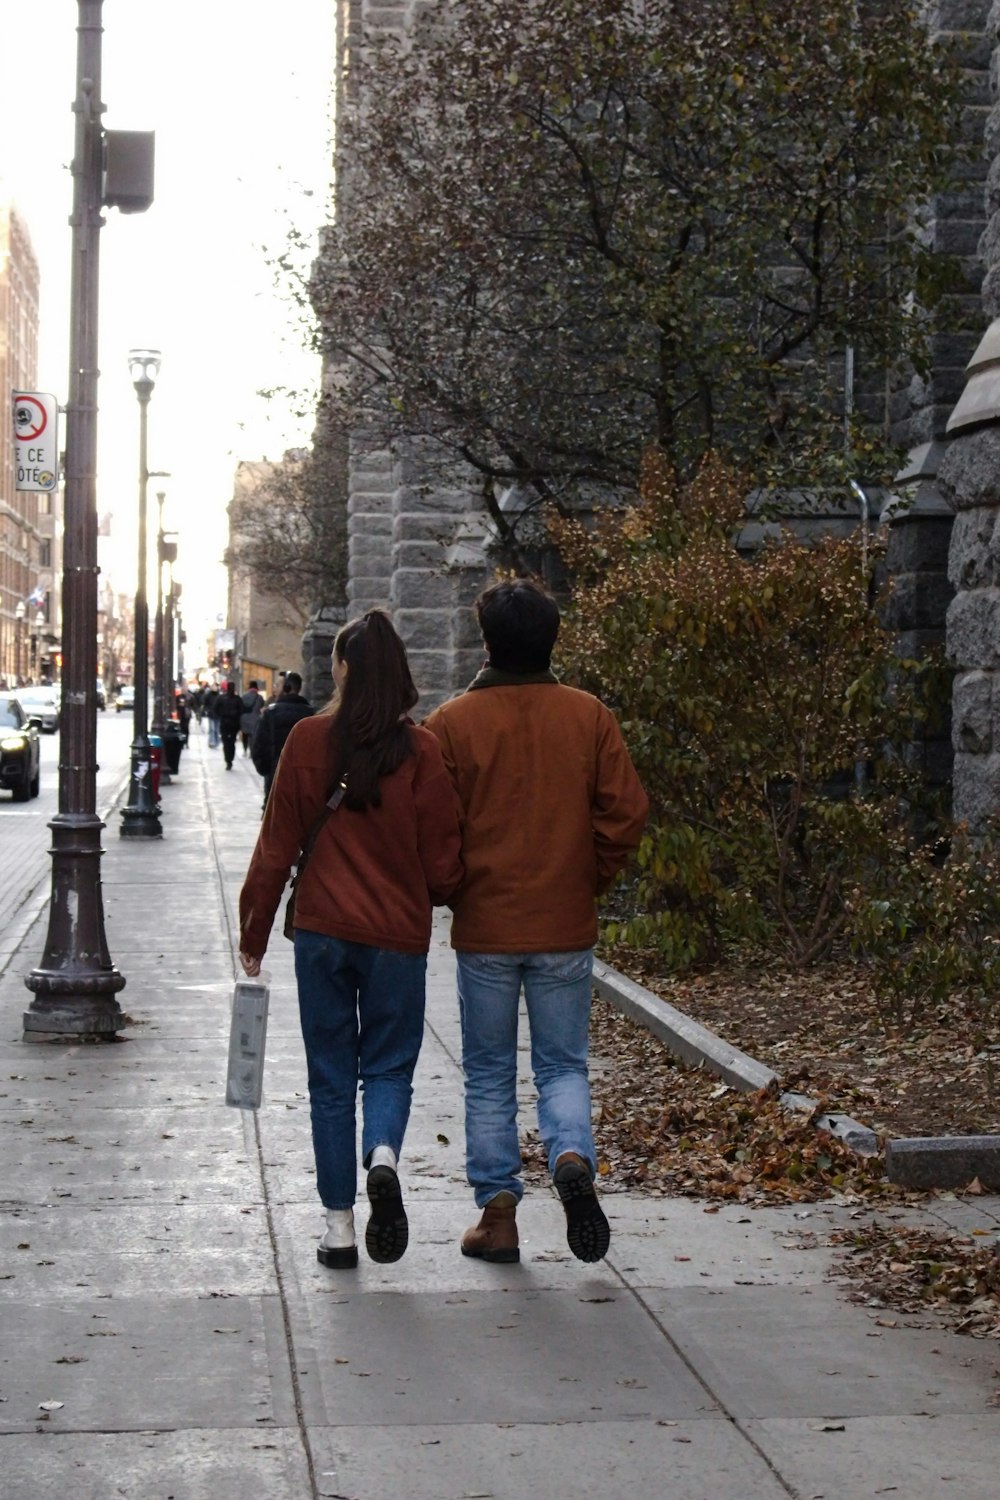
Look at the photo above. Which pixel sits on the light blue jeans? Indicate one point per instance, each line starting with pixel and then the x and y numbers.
pixel 557 994
pixel 362 1013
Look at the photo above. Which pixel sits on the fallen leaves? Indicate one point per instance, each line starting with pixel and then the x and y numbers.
pixel 916 1270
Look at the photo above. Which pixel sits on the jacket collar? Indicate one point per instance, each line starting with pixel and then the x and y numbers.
pixel 489 677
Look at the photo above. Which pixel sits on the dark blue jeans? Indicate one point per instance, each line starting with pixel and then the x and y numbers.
pixel 362 1013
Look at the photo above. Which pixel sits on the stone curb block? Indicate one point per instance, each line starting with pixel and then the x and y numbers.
pixel 937 1161
pixel 695 1044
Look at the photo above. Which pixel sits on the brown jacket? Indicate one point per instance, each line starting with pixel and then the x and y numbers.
pixel 552 808
pixel 373 875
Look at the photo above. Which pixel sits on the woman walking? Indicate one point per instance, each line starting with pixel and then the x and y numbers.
pixel 362 801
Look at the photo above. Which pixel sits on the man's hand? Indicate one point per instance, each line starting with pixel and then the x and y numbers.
pixel 251 965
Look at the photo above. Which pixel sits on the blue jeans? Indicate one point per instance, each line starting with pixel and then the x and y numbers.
pixel 557 993
pixel 213 734
pixel 362 1013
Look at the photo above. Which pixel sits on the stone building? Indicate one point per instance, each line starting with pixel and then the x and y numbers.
pixel 420 550
pixel 267 625
pixel 27 519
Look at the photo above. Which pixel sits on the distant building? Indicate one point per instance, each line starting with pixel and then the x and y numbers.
pixel 267 626
pixel 28 521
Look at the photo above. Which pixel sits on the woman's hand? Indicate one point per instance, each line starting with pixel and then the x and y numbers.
pixel 251 965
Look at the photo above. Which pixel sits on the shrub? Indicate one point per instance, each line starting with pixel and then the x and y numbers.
pixel 764 708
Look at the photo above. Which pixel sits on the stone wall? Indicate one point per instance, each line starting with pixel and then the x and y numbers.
pixel 970 480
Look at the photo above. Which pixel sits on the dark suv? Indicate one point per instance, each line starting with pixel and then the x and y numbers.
pixel 20 755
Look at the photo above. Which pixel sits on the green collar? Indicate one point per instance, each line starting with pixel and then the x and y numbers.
pixel 492 677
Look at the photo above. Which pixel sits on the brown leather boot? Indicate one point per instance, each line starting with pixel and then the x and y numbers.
pixel 494 1238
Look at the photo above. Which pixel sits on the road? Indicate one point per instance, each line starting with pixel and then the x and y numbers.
pixel 24 834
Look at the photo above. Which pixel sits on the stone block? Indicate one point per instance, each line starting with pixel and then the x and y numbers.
pixel 970 470
pixel 924 1162
pixel 467 664
pixel 408 527
pixel 368 503
pixel 972 712
pixel 958 236
pixel 369 554
pixel 425 629
pixel 976 790
pixel 419 588
pixel 991 292
pixel 955 15
pixel 418 555
pixel 465 632
pixel 367 593
pixel 974 552
pixel 431 500
pixel 919 544
pixel 432 672
pixel 918 601
pixel 913 645
pixel 973 629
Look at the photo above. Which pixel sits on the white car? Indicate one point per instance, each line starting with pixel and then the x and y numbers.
pixel 41 706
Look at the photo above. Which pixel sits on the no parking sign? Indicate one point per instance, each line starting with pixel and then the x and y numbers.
pixel 36 440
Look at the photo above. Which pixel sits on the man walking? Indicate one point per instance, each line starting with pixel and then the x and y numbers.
pixel 552 810
pixel 228 712
pixel 275 725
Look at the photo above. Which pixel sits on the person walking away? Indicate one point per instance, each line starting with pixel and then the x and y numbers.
pixel 211 706
pixel 361 795
pixel 552 808
pixel 275 725
pixel 229 712
pixel 253 705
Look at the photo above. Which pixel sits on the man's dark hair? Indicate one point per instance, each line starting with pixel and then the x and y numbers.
pixel 293 682
pixel 520 622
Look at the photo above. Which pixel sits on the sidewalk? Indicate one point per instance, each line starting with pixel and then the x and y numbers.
pixel 158 1276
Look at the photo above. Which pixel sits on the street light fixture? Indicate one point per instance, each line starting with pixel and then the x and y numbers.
pixel 140 815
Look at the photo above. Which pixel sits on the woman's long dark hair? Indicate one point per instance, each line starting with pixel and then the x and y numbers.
pixel 371 738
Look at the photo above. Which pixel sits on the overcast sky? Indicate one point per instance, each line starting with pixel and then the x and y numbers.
pixel 238 94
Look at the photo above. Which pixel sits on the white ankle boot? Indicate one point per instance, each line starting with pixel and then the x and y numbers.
pixel 337 1249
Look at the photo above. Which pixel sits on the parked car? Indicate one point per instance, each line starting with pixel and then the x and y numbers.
pixel 126 698
pixel 41 704
pixel 20 752
pixel 102 697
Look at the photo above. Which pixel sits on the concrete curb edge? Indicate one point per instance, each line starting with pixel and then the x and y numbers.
pixel 695 1044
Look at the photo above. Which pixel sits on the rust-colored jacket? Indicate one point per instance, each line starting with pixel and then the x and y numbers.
pixel 372 876
pixel 552 808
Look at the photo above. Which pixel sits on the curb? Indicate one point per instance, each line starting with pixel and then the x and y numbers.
pixel 944 1161
pixel 695 1044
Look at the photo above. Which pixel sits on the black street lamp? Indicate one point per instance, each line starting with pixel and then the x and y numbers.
pixel 141 815
pixel 74 986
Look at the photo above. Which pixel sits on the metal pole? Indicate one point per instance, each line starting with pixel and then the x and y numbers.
pixel 141 816
pixel 160 711
pixel 74 986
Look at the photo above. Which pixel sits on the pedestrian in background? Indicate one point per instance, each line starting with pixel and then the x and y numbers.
pixel 229 713
pixel 211 712
pixel 275 725
pixel 253 705
pixel 552 807
pixel 365 793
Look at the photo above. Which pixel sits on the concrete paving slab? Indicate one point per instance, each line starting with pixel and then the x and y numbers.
pixel 676 1243
pixel 85 1251
pixel 136 1363
pixel 212 1464
pixel 904 1457
pixel 823 1358
pixel 602 1460
pixel 534 1356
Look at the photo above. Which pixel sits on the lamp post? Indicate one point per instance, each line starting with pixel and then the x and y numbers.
pixel 18 627
pixel 36 643
pixel 74 986
pixel 159 714
pixel 141 816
